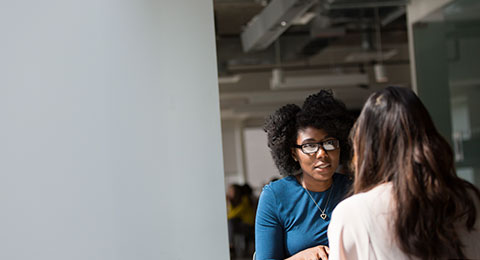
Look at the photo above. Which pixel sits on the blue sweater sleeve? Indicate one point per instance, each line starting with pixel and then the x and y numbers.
pixel 268 229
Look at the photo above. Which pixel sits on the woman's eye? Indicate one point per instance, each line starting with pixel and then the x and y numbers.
pixel 329 142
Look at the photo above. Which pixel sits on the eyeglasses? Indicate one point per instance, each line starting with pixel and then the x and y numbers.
pixel 328 145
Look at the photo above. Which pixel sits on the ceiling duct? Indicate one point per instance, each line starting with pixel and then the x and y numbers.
pixel 353 4
pixel 279 81
pixel 274 19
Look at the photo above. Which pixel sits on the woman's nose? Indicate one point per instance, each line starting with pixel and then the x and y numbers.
pixel 321 152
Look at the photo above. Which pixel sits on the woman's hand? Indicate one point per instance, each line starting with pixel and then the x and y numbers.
pixel 312 253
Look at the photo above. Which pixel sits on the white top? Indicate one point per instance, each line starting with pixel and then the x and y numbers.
pixel 361 228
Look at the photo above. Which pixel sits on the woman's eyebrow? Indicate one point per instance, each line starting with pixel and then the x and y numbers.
pixel 309 140
pixel 315 140
pixel 329 137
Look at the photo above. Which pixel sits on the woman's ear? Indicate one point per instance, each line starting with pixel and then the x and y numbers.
pixel 294 156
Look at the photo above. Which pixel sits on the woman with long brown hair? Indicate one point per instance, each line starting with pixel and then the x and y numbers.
pixel 408 201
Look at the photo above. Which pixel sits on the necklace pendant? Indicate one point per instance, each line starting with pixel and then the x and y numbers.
pixel 323 216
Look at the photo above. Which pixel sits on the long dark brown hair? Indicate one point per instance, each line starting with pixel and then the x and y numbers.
pixel 395 140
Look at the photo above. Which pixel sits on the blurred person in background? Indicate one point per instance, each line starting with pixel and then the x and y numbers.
pixel 408 202
pixel 241 217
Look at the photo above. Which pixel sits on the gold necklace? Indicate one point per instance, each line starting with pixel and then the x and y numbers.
pixel 322 212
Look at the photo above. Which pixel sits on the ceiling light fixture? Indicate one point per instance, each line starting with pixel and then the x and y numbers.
pixel 280 81
pixel 229 79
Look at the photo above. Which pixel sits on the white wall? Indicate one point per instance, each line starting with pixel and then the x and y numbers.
pixel 247 158
pixel 260 166
pixel 233 152
pixel 110 142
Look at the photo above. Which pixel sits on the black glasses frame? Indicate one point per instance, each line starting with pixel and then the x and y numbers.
pixel 334 142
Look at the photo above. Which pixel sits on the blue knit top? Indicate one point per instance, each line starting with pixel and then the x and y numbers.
pixel 288 221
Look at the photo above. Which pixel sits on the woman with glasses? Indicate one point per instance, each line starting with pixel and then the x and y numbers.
pixel 408 202
pixel 307 145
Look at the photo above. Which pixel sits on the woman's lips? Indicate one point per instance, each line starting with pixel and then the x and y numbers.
pixel 322 165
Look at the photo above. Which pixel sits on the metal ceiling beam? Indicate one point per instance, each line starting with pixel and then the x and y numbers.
pixel 299 67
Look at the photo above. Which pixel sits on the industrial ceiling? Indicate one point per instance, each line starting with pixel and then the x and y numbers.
pixel 271 53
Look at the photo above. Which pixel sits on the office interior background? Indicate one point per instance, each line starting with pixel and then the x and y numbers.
pixel 353 48
pixel 123 121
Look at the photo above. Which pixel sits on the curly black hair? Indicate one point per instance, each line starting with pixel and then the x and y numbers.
pixel 321 111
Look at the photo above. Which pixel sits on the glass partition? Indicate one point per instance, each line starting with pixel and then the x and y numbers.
pixel 447 54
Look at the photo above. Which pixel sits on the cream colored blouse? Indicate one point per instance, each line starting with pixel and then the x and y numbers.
pixel 361 228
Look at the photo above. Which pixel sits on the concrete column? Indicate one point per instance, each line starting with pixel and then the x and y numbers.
pixel 110 143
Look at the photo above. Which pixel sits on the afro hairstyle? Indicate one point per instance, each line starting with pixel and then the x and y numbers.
pixel 321 111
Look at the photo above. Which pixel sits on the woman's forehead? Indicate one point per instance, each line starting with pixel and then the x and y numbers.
pixel 312 133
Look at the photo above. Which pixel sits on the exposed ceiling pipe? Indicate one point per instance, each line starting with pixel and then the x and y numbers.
pixel 299 67
pixel 379 69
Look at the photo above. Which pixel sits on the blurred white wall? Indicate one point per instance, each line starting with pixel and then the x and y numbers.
pixel 246 156
pixel 110 141
pixel 233 152
pixel 260 166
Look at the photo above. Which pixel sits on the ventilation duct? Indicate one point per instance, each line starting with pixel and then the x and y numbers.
pixel 353 4
pixel 274 19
